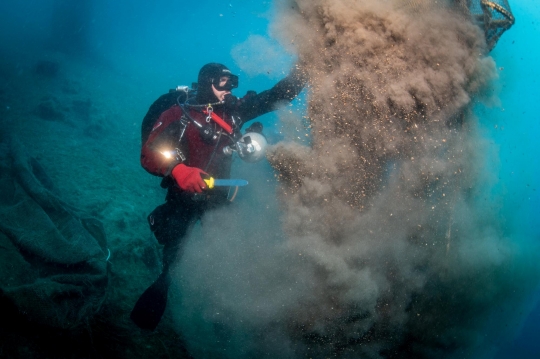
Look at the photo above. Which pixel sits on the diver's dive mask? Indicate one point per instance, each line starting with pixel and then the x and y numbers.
pixel 231 82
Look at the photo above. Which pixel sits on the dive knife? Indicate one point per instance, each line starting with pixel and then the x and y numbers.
pixel 212 182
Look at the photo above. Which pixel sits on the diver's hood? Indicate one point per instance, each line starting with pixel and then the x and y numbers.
pixel 208 75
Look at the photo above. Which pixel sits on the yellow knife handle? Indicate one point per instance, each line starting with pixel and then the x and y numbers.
pixel 209 182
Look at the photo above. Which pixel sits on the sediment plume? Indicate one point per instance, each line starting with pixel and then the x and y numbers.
pixel 390 244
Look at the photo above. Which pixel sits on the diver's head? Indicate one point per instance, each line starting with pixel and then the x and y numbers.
pixel 214 82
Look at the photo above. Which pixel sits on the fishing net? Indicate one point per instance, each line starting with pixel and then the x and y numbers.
pixel 53 268
pixel 495 17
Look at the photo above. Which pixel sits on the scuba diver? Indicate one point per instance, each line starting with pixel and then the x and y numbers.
pixel 188 138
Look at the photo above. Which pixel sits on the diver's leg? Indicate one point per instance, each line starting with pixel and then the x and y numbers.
pixel 182 226
pixel 170 223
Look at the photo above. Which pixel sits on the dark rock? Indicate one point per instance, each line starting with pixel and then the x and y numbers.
pixel 47 68
pixel 48 110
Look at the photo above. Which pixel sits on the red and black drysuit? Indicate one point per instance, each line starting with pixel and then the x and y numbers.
pixel 162 131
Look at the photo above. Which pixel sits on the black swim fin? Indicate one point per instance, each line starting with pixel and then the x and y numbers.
pixel 149 309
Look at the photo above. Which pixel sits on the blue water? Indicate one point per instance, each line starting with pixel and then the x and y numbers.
pixel 516 134
pixel 160 44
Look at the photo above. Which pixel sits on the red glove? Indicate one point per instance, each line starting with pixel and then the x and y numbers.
pixel 189 178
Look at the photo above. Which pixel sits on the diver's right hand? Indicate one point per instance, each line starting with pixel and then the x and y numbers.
pixel 230 101
pixel 189 178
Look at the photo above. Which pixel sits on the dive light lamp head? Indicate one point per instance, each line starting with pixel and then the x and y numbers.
pixel 175 154
pixel 252 147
